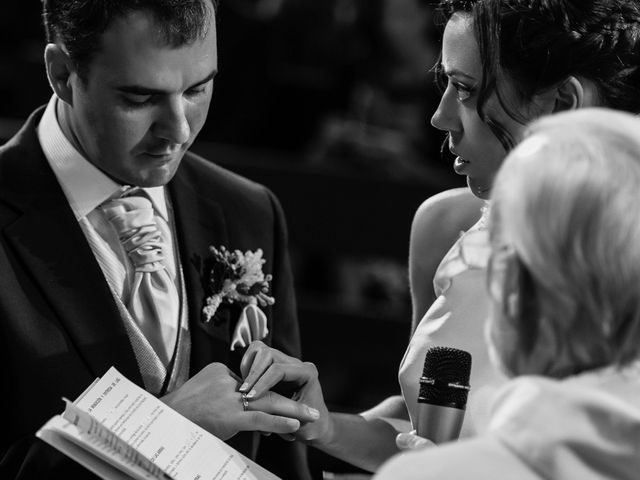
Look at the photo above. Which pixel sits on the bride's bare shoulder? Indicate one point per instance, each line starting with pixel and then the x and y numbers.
pixel 436 225
pixel 449 208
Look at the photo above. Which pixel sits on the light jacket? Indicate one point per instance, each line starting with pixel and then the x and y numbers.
pixel 585 427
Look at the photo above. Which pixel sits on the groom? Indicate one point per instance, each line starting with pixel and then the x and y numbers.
pixel 132 84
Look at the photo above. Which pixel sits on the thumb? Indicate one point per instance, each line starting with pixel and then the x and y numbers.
pixel 411 441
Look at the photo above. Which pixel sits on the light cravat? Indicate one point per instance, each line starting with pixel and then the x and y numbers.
pixel 152 298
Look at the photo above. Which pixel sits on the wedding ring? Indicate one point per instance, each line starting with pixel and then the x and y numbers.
pixel 245 401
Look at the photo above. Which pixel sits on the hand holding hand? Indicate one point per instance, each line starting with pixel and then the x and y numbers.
pixel 211 400
pixel 411 441
pixel 264 367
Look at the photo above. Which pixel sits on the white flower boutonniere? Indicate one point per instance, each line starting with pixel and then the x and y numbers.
pixel 236 277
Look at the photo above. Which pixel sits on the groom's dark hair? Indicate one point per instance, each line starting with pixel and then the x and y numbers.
pixel 79 24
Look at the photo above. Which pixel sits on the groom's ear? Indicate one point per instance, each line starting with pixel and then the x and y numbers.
pixel 59 70
pixel 571 94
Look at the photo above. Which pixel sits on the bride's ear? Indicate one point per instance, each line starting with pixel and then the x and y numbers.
pixel 574 93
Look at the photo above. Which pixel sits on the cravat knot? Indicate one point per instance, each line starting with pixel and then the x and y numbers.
pixel 133 220
pixel 152 298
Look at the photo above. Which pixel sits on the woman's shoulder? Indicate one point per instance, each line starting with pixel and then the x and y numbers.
pixel 455 208
pixel 436 226
pixel 438 222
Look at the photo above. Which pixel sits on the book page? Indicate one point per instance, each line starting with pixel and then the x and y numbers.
pixel 104 462
pixel 174 444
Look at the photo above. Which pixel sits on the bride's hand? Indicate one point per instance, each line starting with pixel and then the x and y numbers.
pixel 411 441
pixel 263 367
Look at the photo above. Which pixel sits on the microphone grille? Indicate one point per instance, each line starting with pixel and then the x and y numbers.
pixel 445 377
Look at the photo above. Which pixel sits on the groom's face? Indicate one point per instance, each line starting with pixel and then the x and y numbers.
pixel 142 102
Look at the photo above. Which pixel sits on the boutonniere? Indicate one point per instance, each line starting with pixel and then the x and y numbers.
pixel 237 277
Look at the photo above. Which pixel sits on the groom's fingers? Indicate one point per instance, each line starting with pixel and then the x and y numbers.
pixel 277 405
pixel 264 422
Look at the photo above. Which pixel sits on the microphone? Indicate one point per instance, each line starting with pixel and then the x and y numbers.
pixel 444 387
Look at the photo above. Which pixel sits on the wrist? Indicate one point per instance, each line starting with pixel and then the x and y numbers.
pixel 327 435
pixel 171 400
pixel 166 399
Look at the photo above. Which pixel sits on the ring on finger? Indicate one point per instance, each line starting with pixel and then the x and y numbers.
pixel 245 401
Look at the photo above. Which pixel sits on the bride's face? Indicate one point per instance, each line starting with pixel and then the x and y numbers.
pixel 478 151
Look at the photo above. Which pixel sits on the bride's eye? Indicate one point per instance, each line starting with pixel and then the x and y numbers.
pixel 464 92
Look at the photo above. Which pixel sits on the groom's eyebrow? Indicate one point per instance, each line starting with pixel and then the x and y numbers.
pixel 142 90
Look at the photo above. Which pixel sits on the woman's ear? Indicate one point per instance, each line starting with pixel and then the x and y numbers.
pixel 59 69
pixel 575 93
pixel 569 95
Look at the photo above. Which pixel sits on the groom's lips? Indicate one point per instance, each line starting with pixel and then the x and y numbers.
pixel 162 156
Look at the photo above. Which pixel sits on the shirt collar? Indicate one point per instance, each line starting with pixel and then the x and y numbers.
pixel 84 185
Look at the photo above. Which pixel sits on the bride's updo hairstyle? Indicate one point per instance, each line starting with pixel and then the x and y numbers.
pixel 535 45
pixel 565 264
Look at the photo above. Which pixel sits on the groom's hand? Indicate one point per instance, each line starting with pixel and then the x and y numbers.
pixel 211 400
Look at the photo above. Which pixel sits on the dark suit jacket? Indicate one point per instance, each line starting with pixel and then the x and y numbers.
pixel 60 327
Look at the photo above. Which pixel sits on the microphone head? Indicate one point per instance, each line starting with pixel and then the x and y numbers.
pixel 445 377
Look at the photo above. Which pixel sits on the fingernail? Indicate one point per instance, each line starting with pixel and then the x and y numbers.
pixel 313 412
pixel 293 423
pixel 402 441
pixel 251 394
pixel 243 387
pixel 420 442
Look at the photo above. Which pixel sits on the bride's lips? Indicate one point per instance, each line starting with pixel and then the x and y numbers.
pixel 459 165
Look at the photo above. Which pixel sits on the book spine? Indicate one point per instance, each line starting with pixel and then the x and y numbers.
pixel 98 432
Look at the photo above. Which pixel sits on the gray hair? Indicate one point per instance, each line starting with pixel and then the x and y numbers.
pixel 566 202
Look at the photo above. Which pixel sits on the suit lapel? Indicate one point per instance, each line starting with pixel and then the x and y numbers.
pixel 200 223
pixel 51 245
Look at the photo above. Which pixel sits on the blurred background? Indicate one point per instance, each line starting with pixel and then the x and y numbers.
pixel 328 104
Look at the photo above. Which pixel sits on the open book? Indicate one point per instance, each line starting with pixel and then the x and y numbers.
pixel 119 431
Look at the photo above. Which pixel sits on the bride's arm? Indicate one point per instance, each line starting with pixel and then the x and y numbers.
pixel 363 442
pixel 369 438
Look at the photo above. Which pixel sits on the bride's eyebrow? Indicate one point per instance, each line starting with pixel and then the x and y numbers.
pixel 452 72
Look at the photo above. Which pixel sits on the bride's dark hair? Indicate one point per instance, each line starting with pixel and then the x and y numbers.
pixel 538 44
